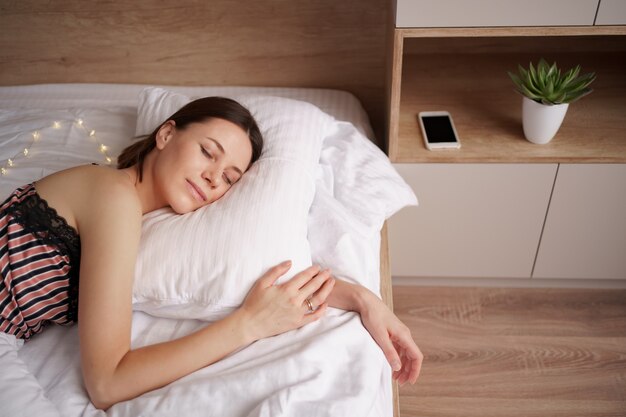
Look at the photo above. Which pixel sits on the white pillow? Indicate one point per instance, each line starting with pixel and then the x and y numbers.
pixel 361 177
pixel 202 264
pixel 357 189
pixel 351 167
pixel 59 146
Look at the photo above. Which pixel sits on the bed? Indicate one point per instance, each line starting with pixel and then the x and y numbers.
pixel 331 367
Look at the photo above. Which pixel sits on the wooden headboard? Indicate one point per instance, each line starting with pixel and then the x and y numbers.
pixel 286 43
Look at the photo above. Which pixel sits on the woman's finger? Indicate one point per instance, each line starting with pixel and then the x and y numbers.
pixel 302 278
pixel 389 351
pixel 411 362
pixel 314 284
pixel 402 376
pixel 322 294
pixel 269 278
pixel 416 367
pixel 404 339
pixel 309 318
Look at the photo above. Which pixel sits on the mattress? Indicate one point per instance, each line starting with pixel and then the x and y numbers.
pixel 331 367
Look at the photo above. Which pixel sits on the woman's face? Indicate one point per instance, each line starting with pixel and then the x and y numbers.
pixel 197 165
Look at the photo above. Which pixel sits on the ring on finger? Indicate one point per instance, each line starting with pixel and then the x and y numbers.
pixel 310 305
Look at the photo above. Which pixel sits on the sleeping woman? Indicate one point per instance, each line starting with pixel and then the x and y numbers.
pixel 86 222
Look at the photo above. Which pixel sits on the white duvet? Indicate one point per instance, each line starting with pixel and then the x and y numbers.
pixel 328 368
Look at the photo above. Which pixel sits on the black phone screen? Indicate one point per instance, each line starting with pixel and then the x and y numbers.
pixel 438 129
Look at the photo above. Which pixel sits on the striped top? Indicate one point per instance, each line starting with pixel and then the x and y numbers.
pixel 39 265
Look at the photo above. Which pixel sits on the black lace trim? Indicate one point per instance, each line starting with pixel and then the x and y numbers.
pixel 35 215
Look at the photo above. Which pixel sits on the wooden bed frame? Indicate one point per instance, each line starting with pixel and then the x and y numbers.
pixel 386 291
pixel 296 43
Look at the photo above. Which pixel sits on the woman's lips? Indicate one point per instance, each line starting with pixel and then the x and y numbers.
pixel 196 191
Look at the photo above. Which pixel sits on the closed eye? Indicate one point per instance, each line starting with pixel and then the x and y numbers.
pixel 206 153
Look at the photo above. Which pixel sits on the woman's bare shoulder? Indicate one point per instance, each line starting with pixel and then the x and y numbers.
pixel 82 192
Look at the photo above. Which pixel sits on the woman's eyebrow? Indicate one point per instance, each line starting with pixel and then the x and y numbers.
pixel 219 145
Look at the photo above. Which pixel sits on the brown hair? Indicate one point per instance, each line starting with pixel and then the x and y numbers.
pixel 196 111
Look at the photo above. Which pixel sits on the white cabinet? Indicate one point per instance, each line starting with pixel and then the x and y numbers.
pixel 611 12
pixel 464 13
pixel 474 220
pixel 498 220
pixel 501 207
pixel 585 231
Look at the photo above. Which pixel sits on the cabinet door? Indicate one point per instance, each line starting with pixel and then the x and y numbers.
pixel 585 231
pixel 464 13
pixel 611 12
pixel 473 220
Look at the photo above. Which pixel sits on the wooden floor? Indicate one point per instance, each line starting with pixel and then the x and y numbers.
pixel 515 352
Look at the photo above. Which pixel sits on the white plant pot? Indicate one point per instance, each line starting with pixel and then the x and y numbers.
pixel 540 121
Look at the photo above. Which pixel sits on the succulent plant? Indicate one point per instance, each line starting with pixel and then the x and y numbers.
pixel 546 85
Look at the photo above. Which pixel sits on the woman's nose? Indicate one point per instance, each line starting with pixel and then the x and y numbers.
pixel 212 177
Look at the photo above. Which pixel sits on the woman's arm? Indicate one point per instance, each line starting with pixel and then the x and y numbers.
pixel 393 336
pixel 110 230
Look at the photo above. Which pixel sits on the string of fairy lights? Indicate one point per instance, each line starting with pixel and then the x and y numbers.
pixel 37 135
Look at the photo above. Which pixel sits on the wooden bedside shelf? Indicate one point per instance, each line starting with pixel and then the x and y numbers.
pixel 468 77
pixel 501 206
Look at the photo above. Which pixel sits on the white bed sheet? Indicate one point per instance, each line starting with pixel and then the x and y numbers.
pixel 329 368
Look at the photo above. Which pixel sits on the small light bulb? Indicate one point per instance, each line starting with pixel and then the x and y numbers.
pixel 92 133
pixel 56 125
pixel 25 151
pixel 79 122
pixel 36 135
pixel 10 162
pixel 109 160
pixel 3 171
pixel 103 148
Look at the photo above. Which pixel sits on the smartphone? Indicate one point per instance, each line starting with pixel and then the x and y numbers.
pixel 438 130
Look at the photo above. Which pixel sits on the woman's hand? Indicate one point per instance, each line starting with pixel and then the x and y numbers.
pixel 273 309
pixel 394 338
